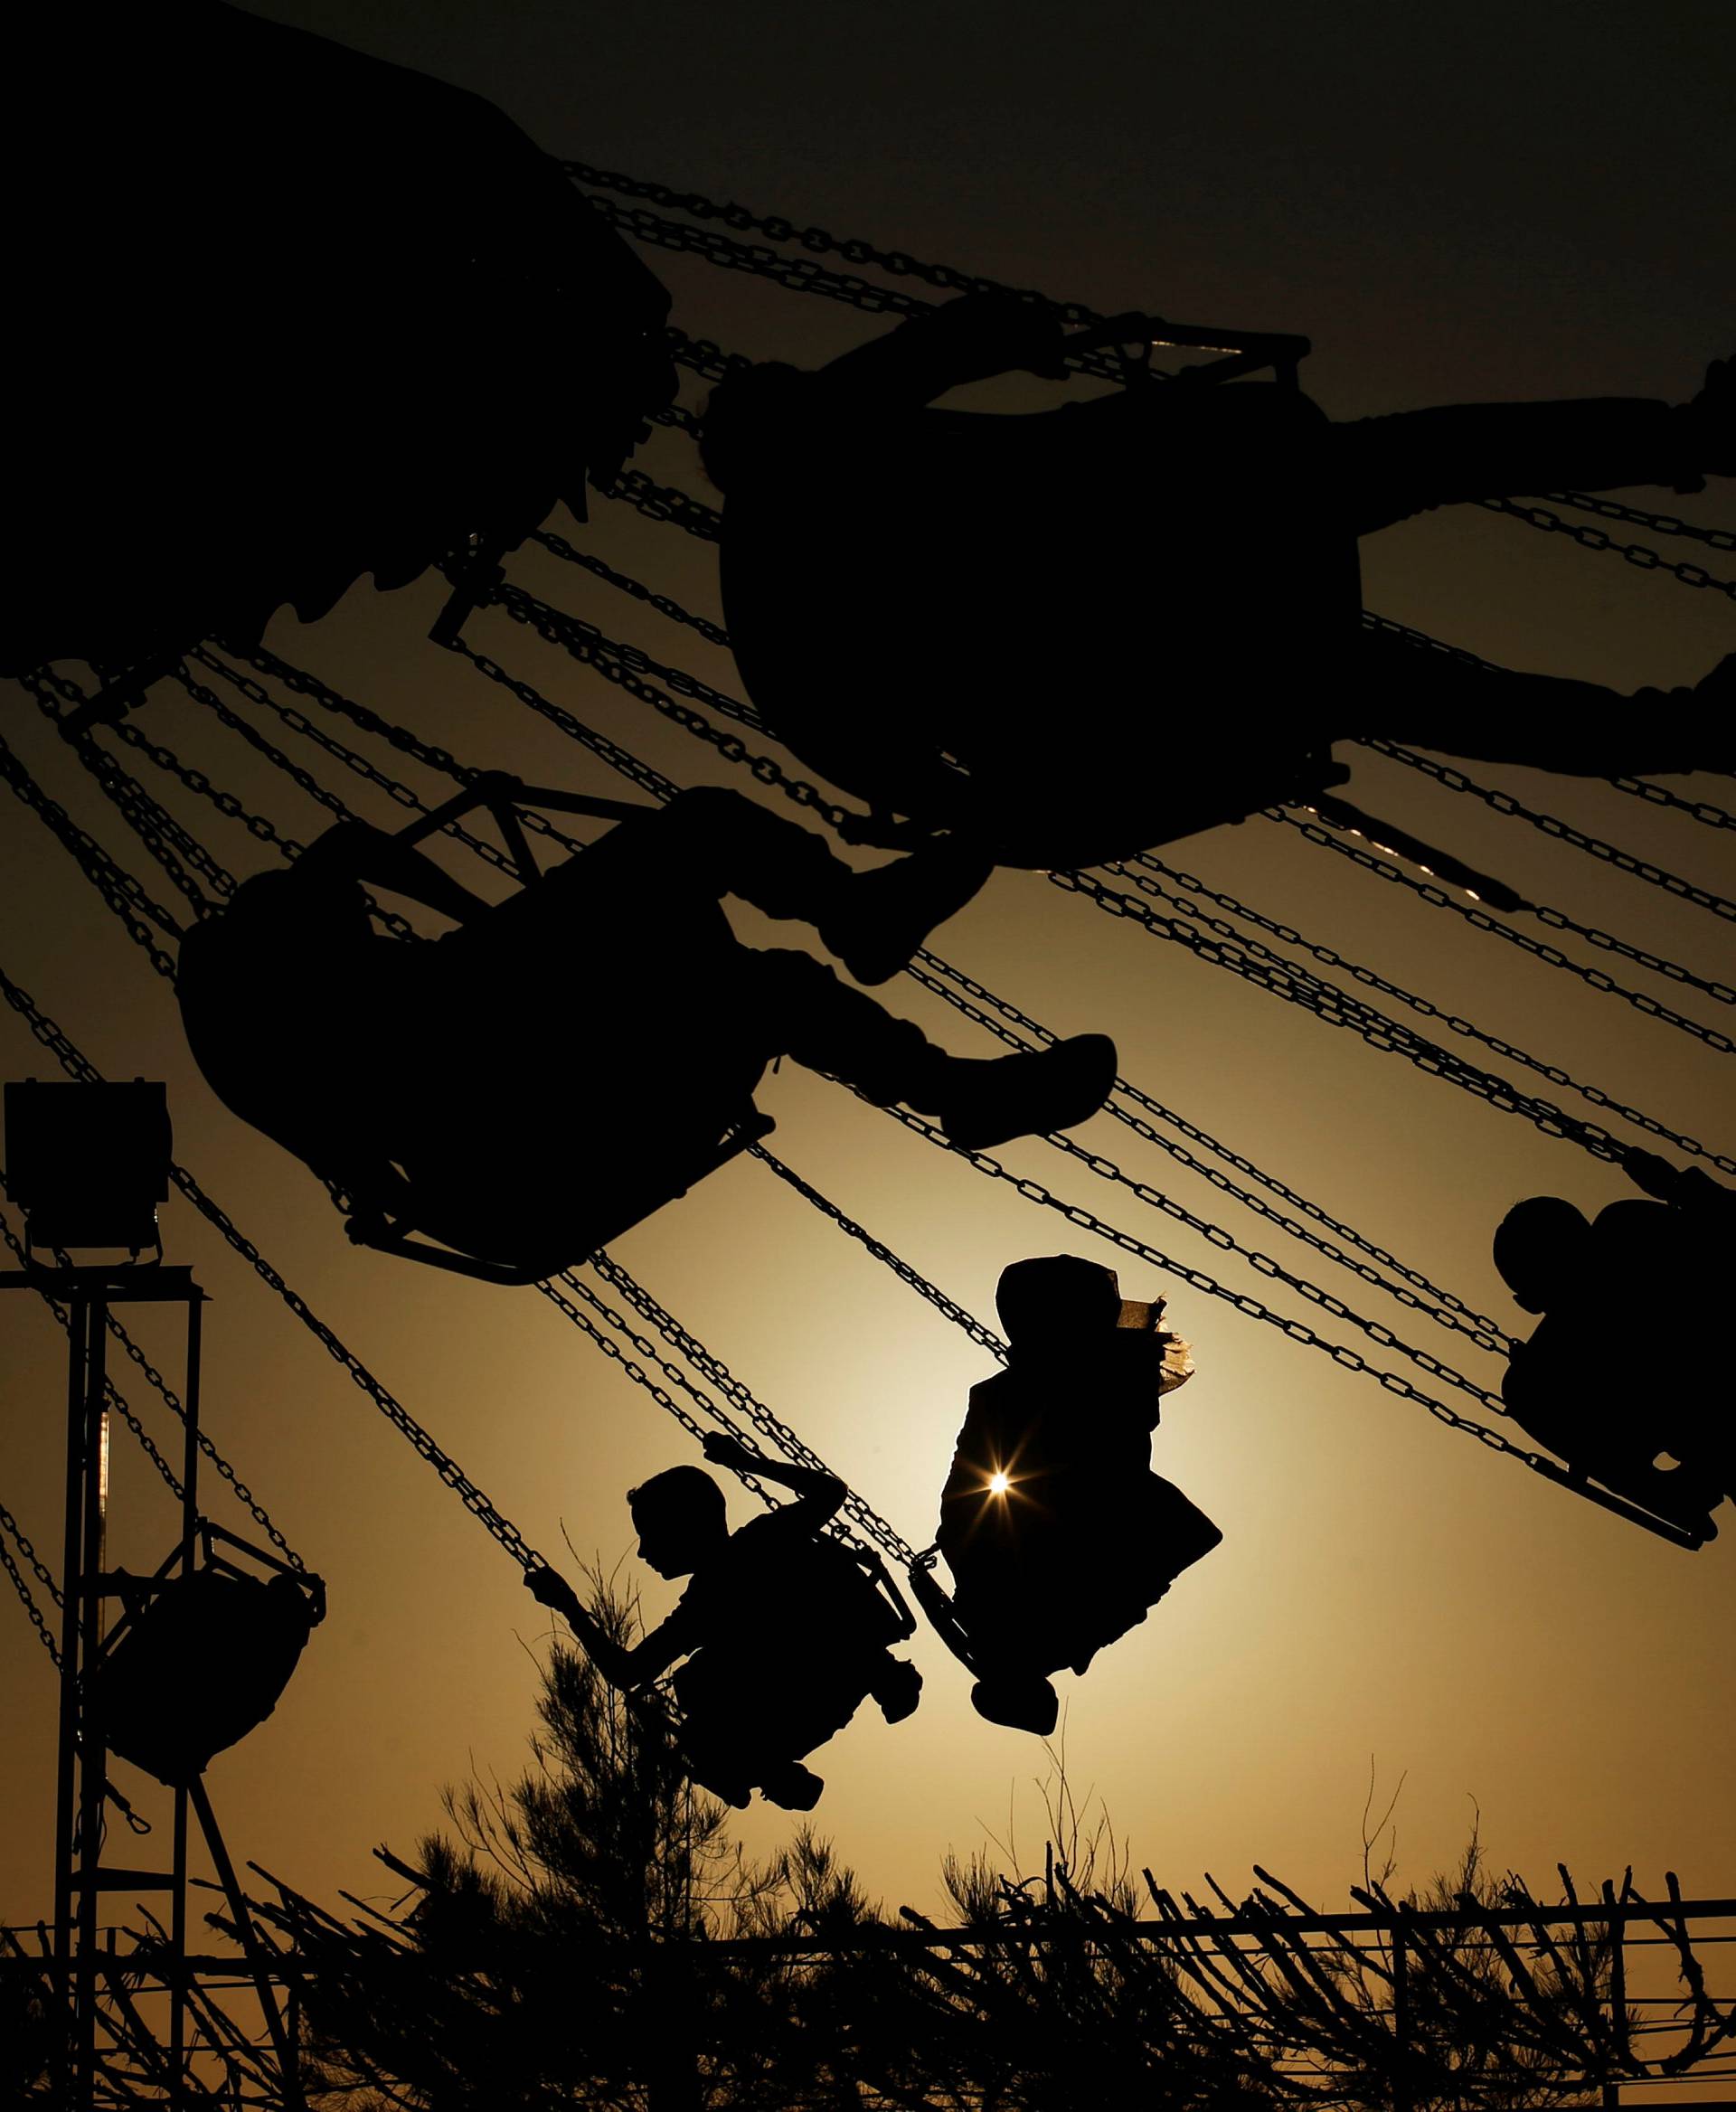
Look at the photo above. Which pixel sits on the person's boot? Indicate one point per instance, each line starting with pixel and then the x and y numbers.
pixel 981 1104
pixel 883 917
pixel 793 1787
pixel 897 1690
pixel 1026 1702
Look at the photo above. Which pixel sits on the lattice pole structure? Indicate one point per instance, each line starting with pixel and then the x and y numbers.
pixel 82 1966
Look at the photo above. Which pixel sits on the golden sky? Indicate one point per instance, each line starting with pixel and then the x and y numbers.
pixel 1453 209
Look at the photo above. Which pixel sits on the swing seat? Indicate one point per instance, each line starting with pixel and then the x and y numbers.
pixel 394 1215
pixel 204 1661
pixel 1061 625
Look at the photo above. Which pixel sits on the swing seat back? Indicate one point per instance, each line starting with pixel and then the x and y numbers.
pixel 394 1215
pixel 204 1663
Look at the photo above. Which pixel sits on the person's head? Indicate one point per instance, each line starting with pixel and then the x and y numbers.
pixel 751 417
pixel 1540 1247
pixel 681 1519
pixel 1056 1298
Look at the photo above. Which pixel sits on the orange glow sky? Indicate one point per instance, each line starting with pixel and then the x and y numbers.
pixel 1460 206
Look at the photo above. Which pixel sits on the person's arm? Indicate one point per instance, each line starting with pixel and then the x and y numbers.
pixel 357 850
pixel 626 1668
pixel 818 1494
pixel 966 340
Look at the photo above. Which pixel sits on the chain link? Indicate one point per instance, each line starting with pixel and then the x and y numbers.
pixel 1552 826
pixel 741 219
pixel 26 1598
pixel 615 663
pixel 44 1575
pixel 391 920
pixel 1589 538
pixel 156 829
pixel 984 1336
pixel 963 992
pixel 712 633
pixel 1658 524
pixel 156 819
pixel 117 888
pixel 401 738
pixel 1318 834
pixel 666 502
pixel 1258 965
pixel 1700 810
pixel 1330 957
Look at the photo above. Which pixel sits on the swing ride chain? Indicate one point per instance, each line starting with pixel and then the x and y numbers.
pixel 801 274
pixel 714 634
pixel 1660 523
pixel 1291 982
pixel 188 845
pixel 73 1060
pixel 176 1408
pixel 155 829
pixel 398 926
pixel 984 1336
pixel 642 663
pixel 197 782
pixel 1505 803
pixel 607 751
pixel 741 221
pixel 1319 833
pixel 44 1575
pixel 118 889
pixel 704 356
pixel 398 793
pixel 770 1425
pixel 26 1598
pixel 1105 1169
pixel 1589 538
pixel 666 502
pixel 113 1397
pixel 929 969
pixel 592 649
pixel 1555 1075
pixel 1299 988
pixel 556 1292
pixel 1700 810
pixel 368 721
pixel 1198 1279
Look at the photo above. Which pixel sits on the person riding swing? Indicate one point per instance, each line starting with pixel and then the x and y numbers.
pixel 1078 633
pixel 785 1630
pixel 1058 1536
pixel 490 1092
pixel 1668 1259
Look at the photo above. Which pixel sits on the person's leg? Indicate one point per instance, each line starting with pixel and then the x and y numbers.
pixel 1387 468
pixel 1459 705
pixel 824 1025
pixel 873 922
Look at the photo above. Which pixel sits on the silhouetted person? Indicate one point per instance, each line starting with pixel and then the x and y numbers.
pixel 783 1633
pixel 1576 1385
pixel 287 315
pixel 1083 631
pixel 1058 1534
pixel 578 1045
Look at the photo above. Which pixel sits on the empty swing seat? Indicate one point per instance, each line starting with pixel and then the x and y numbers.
pixel 199 1666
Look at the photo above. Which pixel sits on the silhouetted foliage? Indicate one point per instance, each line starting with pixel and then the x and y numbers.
pixel 591 1936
